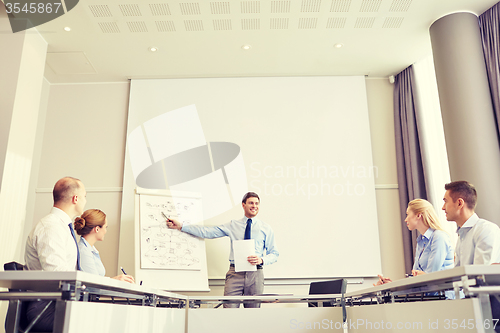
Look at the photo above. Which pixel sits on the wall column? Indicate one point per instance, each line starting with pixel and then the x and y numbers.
pixel 468 119
pixel 22 61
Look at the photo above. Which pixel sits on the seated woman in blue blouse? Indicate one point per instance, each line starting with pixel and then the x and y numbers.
pixel 92 226
pixel 434 251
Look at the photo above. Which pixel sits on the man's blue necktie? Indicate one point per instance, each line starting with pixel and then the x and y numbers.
pixel 77 249
pixel 248 229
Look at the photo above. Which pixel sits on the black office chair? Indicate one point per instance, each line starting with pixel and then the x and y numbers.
pixel 16 313
pixel 13 266
pixel 16 319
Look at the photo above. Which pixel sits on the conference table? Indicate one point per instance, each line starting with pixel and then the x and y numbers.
pixel 86 303
pixel 90 303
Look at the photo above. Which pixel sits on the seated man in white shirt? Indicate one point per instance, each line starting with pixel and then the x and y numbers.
pixel 51 245
pixel 478 239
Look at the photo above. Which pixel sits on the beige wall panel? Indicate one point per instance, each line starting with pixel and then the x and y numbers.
pixel 85 134
pixel 390 228
pixel 381 109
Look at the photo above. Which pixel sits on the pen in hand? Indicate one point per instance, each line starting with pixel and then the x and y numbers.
pixel 171 223
pixel 124 277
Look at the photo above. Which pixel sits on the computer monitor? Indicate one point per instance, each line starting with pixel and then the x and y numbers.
pixel 327 287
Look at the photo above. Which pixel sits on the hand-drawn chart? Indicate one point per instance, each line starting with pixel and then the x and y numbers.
pixel 164 248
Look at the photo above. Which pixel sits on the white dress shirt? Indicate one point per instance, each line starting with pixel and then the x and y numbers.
pixel 478 243
pixel 50 245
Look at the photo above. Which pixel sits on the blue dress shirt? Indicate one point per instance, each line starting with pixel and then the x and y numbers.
pixel 90 259
pixel 262 233
pixel 434 252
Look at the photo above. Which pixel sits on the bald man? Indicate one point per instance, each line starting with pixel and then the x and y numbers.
pixel 50 245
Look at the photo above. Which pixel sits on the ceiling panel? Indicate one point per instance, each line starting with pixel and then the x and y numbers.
pixel 286 38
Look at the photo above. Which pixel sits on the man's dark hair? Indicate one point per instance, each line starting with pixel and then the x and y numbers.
pixel 463 189
pixel 65 188
pixel 249 195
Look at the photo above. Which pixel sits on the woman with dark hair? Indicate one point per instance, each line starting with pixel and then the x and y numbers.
pixel 92 226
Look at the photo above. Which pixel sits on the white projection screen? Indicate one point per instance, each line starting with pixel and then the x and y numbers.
pixel 303 144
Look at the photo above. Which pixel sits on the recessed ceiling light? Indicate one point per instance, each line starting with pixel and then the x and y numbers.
pixel 153 49
pixel 246 47
pixel 338 45
pixel 67 29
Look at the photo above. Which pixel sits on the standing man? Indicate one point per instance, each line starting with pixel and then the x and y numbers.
pixel 248 227
pixel 51 245
pixel 478 239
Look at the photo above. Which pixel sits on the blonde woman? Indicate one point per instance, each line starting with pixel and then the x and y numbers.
pixel 92 226
pixel 434 251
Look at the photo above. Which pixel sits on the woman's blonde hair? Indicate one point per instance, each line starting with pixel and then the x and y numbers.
pixel 429 216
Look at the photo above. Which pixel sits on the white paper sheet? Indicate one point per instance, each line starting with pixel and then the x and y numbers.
pixel 241 250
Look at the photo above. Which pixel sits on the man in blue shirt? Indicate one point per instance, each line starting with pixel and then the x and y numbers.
pixel 248 227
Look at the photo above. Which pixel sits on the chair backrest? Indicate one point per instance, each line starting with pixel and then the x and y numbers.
pixel 16 311
pixel 327 287
pixel 13 266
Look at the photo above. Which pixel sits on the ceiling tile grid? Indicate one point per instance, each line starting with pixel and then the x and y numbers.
pixel 221 16
pixel 221 38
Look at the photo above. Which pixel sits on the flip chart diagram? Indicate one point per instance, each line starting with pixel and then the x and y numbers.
pixel 164 248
